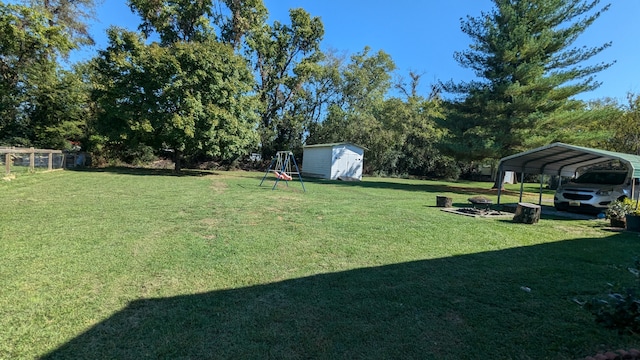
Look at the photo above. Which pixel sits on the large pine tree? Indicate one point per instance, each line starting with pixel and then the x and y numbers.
pixel 528 67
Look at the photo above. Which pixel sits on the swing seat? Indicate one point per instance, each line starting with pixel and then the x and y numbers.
pixel 286 166
pixel 283 176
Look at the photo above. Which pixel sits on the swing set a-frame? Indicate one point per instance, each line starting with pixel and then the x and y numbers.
pixel 283 166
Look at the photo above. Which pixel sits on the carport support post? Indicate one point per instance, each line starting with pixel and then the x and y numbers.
pixel 521 185
pixel 633 187
pixel 633 190
pixel 500 184
pixel 540 193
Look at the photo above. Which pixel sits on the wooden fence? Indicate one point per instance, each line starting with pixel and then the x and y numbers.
pixel 31 159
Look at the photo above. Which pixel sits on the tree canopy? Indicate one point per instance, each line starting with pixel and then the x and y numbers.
pixel 216 79
pixel 32 79
pixel 284 58
pixel 190 97
pixel 528 69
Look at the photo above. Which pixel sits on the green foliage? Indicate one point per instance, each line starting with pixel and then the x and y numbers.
pixel 284 57
pixel 59 110
pixel 401 136
pixel 245 16
pixel 416 135
pixel 618 209
pixel 528 70
pixel 367 79
pixel 588 124
pixel 620 310
pixel 175 21
pixel 40 104
pixel 626 127
pixel 72 15
pixel 192 97
pixel 352 116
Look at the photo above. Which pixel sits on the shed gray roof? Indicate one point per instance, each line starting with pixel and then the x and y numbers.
pixel 335 144
pixel 565 160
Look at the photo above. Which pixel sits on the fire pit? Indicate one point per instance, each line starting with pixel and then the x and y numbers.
pixel 474 212
pixel 480 201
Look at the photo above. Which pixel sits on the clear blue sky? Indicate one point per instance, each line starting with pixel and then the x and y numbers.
pixel 422 35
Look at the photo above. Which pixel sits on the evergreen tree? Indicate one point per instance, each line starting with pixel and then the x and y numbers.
pixel 524 54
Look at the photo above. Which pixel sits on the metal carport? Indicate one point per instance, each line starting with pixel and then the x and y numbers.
pixel 563 160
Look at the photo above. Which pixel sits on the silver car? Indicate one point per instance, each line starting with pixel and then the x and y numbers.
pixel 593 191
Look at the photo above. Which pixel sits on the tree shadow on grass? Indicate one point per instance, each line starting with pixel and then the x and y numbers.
pixel 514 303
pixel 137 171
pixel 464 189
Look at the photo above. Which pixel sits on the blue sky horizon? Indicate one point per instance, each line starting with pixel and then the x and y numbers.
pixel 422 36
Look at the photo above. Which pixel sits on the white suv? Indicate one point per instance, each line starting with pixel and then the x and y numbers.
pixel 593 191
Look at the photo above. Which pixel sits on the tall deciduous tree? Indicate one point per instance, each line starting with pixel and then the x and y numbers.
pixel 191 97
pixel 244 17
pixel 58 110
pixel 57 100
pixel 175 20
pixel 72 15
pixel 367 79
pixel 415 136
pixel 524 54
pixel 284 57
pixel 352 116
pixel 626 127
pixel 28 42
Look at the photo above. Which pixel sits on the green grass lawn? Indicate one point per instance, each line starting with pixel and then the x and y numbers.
pixel 133 264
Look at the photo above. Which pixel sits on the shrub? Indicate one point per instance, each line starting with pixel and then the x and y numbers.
pixel 620 309
pixel 619 208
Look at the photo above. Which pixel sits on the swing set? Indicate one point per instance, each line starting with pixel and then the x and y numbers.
pixel 283 166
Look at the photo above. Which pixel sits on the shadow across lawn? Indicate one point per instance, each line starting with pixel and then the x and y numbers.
pixel 462 307
pixel 138 171
pixel 464 189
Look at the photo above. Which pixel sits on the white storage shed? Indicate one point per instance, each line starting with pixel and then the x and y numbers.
pixel 335 161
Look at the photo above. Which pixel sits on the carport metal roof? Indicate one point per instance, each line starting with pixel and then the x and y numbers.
pixel 563 160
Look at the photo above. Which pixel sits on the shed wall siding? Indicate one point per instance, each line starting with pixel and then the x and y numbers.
pixel 333 161
pixel 316 162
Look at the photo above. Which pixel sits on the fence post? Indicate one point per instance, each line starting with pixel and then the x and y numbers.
pixel 32 159
pixel 50 163
pixel 7 162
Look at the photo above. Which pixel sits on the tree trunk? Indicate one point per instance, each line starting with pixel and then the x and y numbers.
pixel 527 213
pixel 177 160
pixel 443 201
pixel 496 181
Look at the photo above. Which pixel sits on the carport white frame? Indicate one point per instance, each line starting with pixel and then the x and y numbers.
pixel 562 160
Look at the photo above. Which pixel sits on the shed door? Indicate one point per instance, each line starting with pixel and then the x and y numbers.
pixel 353 165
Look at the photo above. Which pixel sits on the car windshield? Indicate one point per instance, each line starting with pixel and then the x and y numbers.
pixel 603 178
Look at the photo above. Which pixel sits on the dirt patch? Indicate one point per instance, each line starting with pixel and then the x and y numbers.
pixel 219 186
pixel 162 164
pixel 210 221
